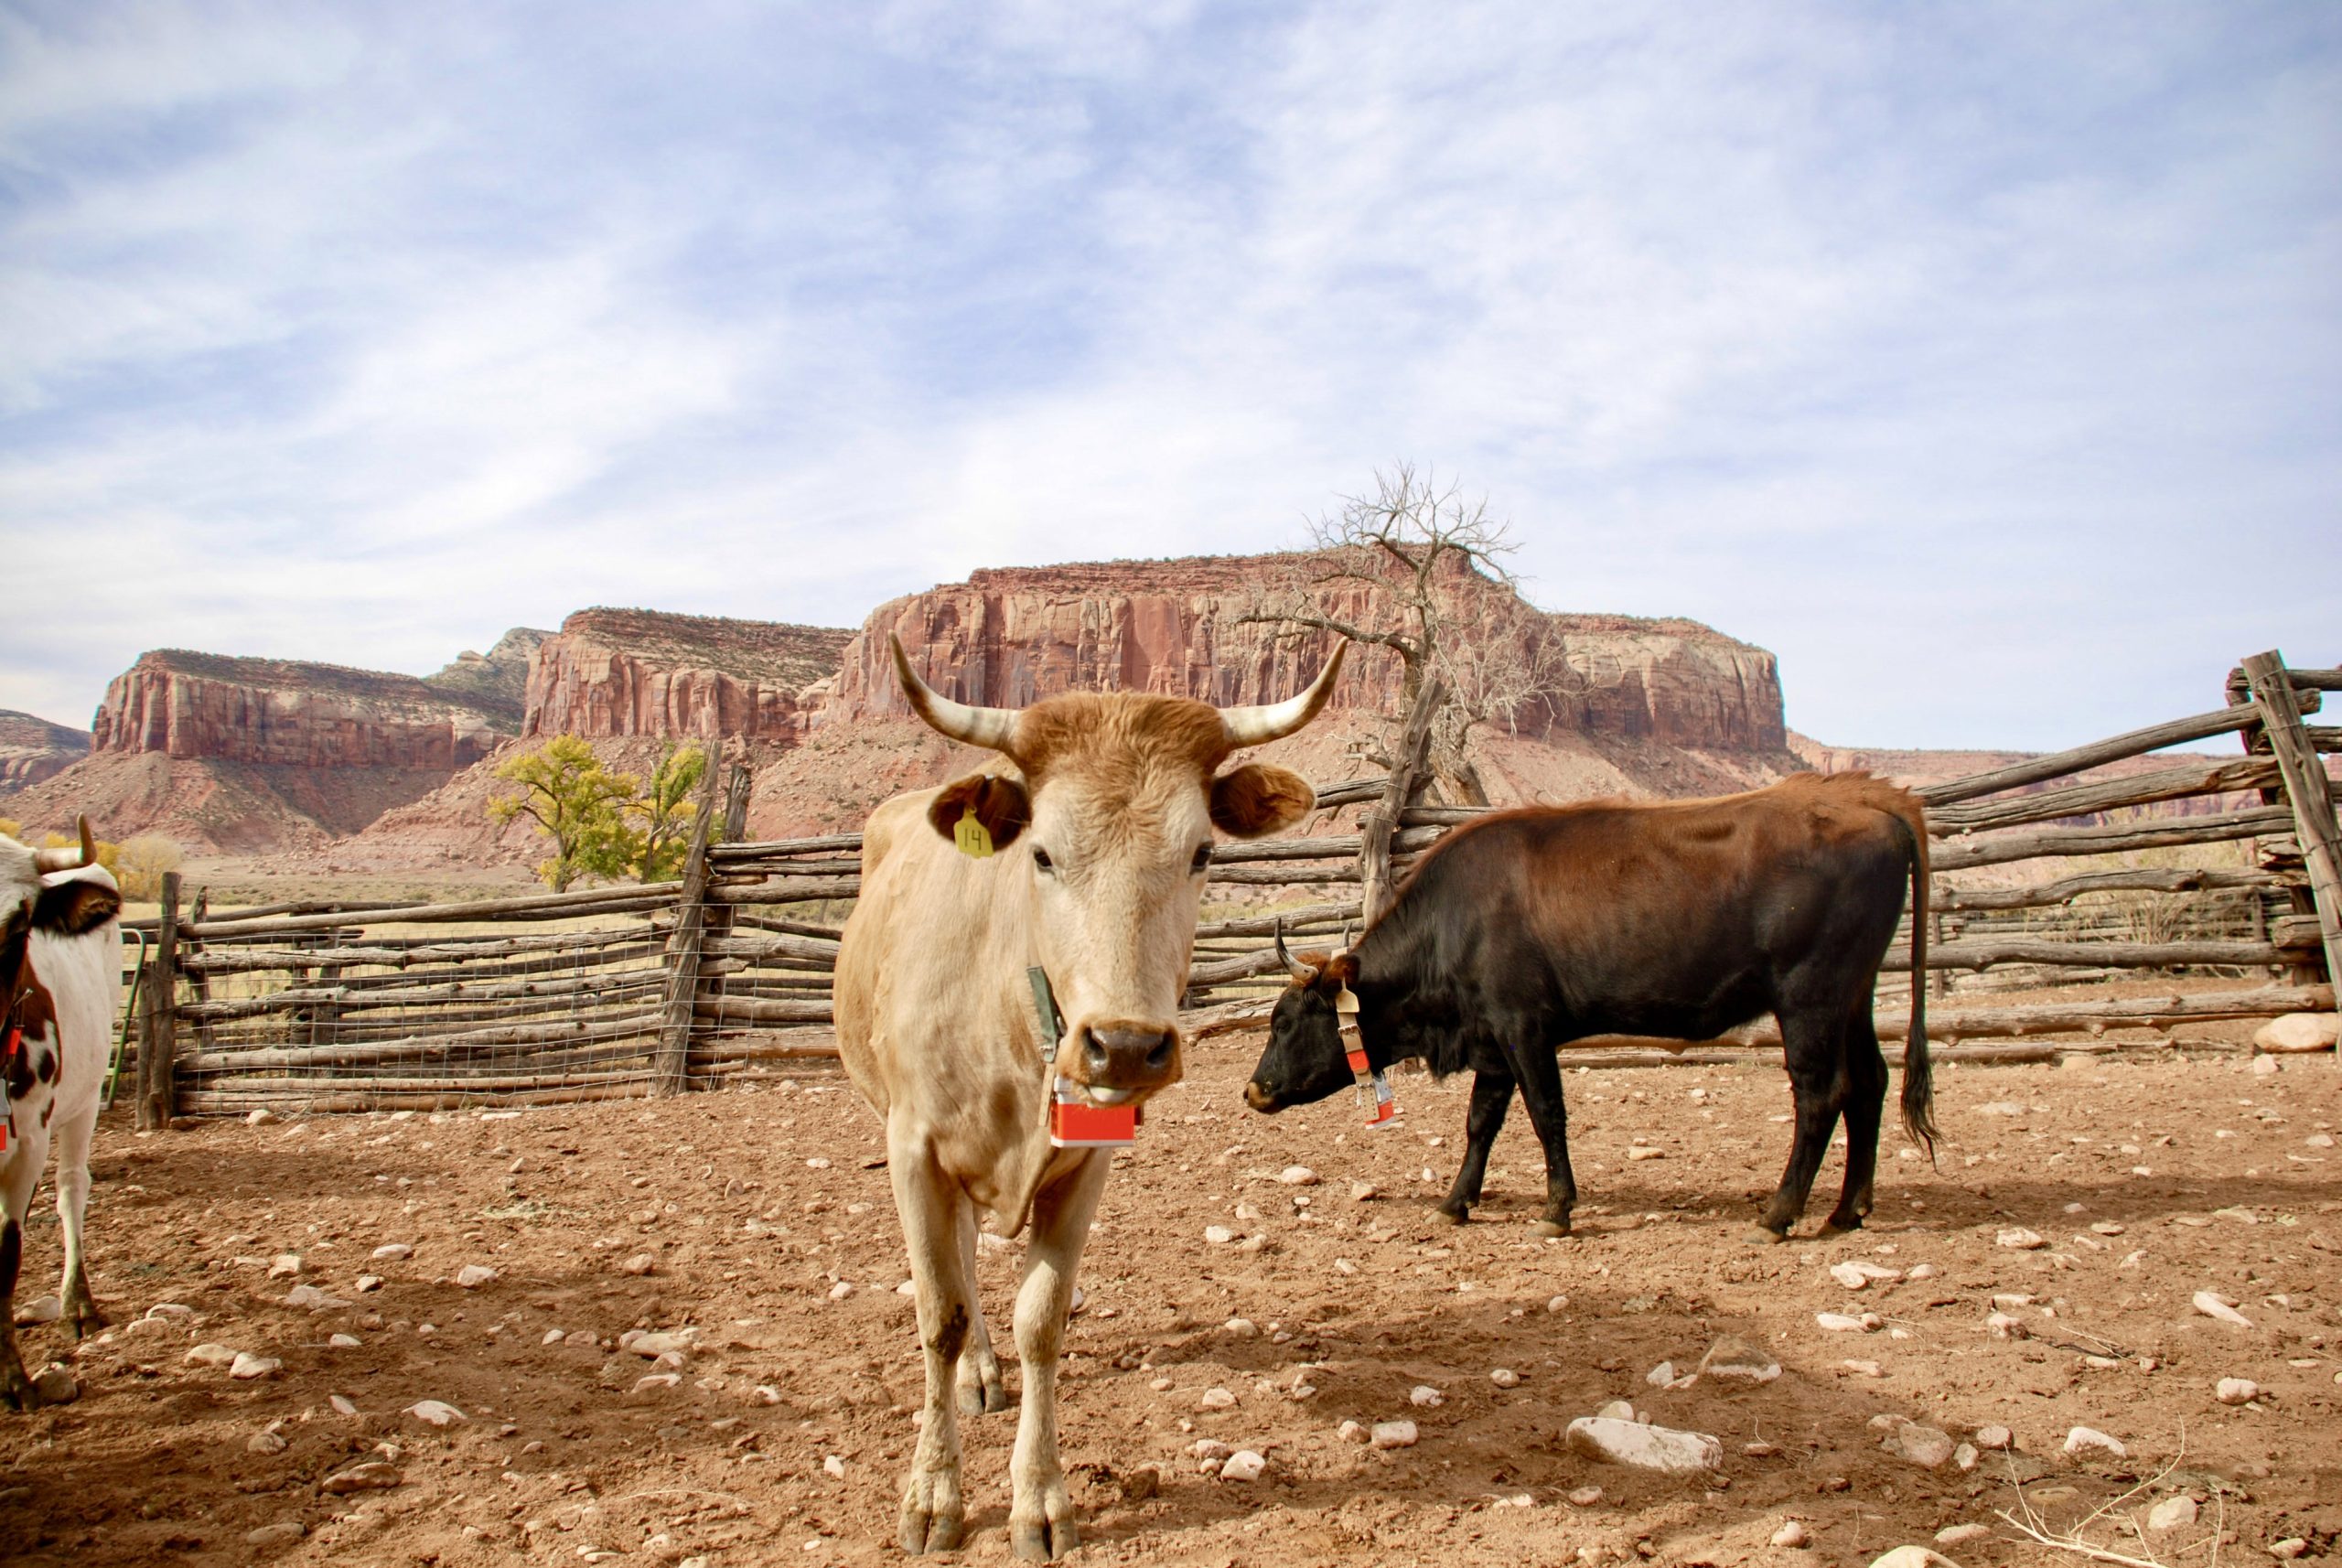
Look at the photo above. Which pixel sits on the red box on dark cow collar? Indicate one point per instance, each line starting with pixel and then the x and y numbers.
pixel 1076 1123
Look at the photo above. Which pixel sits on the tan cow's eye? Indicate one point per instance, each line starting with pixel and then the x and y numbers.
pixel 1202 859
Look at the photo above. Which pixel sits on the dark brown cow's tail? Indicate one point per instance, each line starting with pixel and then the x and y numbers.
pixel 1918 1083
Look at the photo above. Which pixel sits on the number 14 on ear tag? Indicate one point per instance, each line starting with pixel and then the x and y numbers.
pixel 973 837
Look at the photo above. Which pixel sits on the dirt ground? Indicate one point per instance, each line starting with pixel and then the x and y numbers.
pixel 773 1232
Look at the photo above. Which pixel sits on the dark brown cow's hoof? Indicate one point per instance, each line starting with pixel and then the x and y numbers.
pixel 1553 1227
pixel 1834 1226
pixel 1765 1236
pixel 1042 1541
pixel 1443 1215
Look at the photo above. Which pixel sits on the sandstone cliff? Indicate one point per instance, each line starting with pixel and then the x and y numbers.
pixel 614 672
pixel 1007 637
pixel 32 749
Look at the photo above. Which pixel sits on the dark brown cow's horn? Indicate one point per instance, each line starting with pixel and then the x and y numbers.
pixel 1256 726
pixel 990 727
pixel 68 858
pixel 1294 966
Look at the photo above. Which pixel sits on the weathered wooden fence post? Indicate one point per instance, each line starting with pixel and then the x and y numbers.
pixel 683 949
pixel 158 1043
pixel 1380 821
pixel 2308 791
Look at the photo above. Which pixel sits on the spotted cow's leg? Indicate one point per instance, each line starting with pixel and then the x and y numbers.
pixel 26 1159
pixel 932 1211
pixel 72 1204
pixel 1040 1517
pixel 982 1389
pixel 1491 1097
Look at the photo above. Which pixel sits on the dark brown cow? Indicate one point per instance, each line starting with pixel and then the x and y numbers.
pixel 1528 928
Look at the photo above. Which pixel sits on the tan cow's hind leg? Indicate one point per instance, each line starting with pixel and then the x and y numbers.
pixel 1040 1518
pixel 933 1211
pixel 982 1389
pixel 72 1204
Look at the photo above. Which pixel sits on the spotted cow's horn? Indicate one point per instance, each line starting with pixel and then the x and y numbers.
pixel 990 727
pixel 68 857
pixel 1273 721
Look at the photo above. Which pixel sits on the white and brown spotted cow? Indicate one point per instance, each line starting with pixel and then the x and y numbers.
pixel 1099 835
pixel 60 962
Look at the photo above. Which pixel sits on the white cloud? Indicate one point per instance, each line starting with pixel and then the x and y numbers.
pixel 1932 349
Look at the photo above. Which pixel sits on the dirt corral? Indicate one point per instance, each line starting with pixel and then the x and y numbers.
pixel 765 1221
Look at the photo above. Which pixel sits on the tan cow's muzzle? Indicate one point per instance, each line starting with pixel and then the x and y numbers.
pixel 1119 1060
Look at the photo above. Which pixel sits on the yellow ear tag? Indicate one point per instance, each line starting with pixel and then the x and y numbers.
pixel 973 837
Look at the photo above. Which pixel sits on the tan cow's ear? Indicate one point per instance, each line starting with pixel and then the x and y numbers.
pixel 1256 798
pixel 1000 804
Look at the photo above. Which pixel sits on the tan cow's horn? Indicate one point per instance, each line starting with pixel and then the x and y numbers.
pixel 993 727
pixel 66 859
pixel 1294 966
pixel 1273 721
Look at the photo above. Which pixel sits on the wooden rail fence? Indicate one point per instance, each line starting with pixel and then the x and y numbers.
pixel 629 990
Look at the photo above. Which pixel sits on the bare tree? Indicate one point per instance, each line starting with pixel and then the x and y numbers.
pixel 1419 568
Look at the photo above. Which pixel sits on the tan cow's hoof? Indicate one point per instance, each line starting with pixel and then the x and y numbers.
pixel 1832 1227
pixel 1447 1216
pixel 921 1533
pixel 1040 1541
pixel 1764 1236
pixel 1552 1228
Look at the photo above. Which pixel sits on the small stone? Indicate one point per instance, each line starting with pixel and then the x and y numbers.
pixel 649 1380
pixel 1557 1303
pixel 1926 1447
pixel 1297 1176
pixel 1244 1466
pixel 45 1309
pixel 1863 1369
pixel 1217 1399
pixel 284 1533
pixel 1218 1235
pixel 651 1347
pixel 311 1297
pixel 1140 1484
pixel 2090 1440
pixel 1505 1378
pixel 2105 1228
pixel 1846 1323
pixel 265 1442
pixel 1993 1437
pixel 1658 1377
pixel 833 1466
pixel 1363 1191
pixel 55 1385
pixel 393 1252
pixel 2264 1066
pixel 1759 1449
pixel 764 1393
pixel 1923 1272
pixel 1734 1361
pixel 2298 1032
pixel 472 1276
pixel 436 1412
pixel 2004 1326
pixel 1912 1557
pixel 285 1265
pixel 2292 1546
pixel 2212 1306
pixel 367 1283
pixel 1210 1450
pixel 2022 1241
pixel 2235 1390
pixel 1791 1535
pixel 1242 1328
pixel 1857 1274
pixel 1961 1534
pixel 171 1312
pixel 1618 1409
pixel 2172 1513
pixel 1645 1446
pixel 1351 1432
pixel 1642 1153
pixel 1423 1396
pixel 346 1342
pixel 372 1475
pixel 247 1367
pixel 260 1118
pixel 342 1404
pixel 1963 1458
pixel 1585 1496
pixel 1394 1435
pixel 640 1263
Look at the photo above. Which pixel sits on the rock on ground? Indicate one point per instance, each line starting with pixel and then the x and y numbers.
pixel 2298 1032
pixel 1644 1446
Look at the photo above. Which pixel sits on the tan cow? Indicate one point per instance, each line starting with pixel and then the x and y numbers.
pixel 1100 835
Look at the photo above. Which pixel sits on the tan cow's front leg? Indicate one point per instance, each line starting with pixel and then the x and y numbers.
pixel 1040 1517
pixel 982 1389
pixel 933 1210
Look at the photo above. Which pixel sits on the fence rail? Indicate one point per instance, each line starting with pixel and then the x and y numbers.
pixel 635 991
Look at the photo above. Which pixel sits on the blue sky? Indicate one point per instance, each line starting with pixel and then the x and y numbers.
pixel 1984 361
